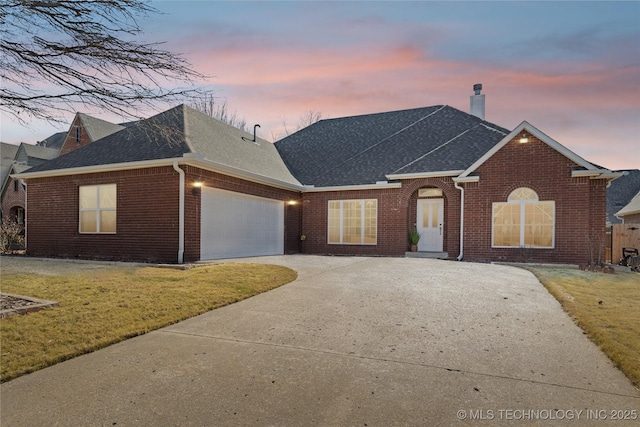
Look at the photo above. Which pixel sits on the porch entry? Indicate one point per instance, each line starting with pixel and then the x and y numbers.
pixel 429 224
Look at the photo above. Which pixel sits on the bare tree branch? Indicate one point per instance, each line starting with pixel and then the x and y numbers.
pixel 57 55
pixel 208 105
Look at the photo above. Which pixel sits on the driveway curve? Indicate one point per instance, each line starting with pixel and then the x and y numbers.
pixel 354 341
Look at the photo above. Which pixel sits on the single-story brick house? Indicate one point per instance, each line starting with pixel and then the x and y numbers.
pixel 182 187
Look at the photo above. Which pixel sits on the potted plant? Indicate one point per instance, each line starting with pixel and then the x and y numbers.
pixel 414 238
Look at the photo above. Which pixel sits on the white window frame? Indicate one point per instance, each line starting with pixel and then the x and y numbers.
pixel 522 203
pixel 97 209
pixel 20 215
pixel 362 222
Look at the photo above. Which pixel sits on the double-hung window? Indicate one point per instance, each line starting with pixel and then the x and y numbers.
pixel 353 222
pixel 98 208
pixel 523 221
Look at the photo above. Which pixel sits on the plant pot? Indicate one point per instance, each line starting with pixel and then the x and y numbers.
pixel 414 248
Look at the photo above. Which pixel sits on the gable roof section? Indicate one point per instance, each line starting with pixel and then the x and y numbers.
pixel 589 169
pixel 171 135
pixel 229 146
pixel 29 153
pixel 8 153
pixel 632 208
pixel 98 128
pixel 366 149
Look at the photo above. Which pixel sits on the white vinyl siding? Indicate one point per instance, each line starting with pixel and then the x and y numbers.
pixel 98 208
pixel 353 222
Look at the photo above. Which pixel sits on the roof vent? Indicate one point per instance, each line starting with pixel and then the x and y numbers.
pixel 477 101
pixel 254 134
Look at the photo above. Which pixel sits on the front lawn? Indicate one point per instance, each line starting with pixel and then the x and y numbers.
pixel 101 308
pixel 605 306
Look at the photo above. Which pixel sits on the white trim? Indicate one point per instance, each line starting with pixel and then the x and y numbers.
pixel 607 174
pixel 201 162
pixel 457 185
pixel 522 204
pixel 98 169
pixel 190 159
pixel 472 178
pixel 631 208
pixel 362 224
pixel 180 213
pixel 98 210
pixel 424 174
pixel 585 173
pixel 538 134
pixel 312 189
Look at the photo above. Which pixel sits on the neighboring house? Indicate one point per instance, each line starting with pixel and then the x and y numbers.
pixel 8 153
pixel 182 187
pixel 13 191
pixel 620 193
pixel 630 214
pixel 84 129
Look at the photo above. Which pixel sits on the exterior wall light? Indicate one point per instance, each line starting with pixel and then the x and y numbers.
pixel 292 202
pixel 524 138
pixel 197 187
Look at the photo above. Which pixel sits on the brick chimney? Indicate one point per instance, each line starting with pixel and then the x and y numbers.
pixel 477 101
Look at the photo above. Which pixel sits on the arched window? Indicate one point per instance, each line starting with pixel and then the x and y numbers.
pixel 523 221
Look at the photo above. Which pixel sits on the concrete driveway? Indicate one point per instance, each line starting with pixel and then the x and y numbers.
pixel 352 342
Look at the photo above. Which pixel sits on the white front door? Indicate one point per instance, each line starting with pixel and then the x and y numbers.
pixel 429 224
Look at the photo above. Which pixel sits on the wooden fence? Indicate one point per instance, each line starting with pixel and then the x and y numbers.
pixel 623 236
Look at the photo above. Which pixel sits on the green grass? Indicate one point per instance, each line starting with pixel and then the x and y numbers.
pixel 605 306
pixel 101 308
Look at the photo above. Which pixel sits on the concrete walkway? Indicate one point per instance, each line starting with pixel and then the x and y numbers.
pixel 352 342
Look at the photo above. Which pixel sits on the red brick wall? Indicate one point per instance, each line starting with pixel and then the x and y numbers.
pixel 147 215
pixel 70 142
pixel 396 215
pixel 580 203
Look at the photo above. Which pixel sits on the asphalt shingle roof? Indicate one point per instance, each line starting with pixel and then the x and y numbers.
pixel 38 152
pixel 620 193
pixel 364 149
pixel 55 141
pixel 8 154
pixel 173 133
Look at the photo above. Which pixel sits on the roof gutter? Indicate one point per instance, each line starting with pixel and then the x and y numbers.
pixel 597 174
pixel 187 159
pixel 180 214
pixel 436 174
pixel 381 185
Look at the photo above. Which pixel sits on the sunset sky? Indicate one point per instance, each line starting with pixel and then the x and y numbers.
pixel 572 69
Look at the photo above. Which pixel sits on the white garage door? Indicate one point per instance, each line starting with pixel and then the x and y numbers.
pixel 238 225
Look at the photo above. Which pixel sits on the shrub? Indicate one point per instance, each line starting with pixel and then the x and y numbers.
pixel 11 236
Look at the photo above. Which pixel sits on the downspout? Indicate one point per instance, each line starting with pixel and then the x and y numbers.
pixel 24 184
pixel 455 184
pixel 181 214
